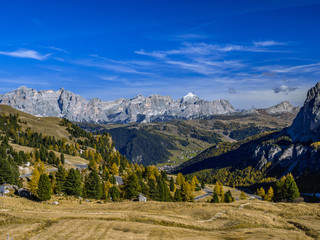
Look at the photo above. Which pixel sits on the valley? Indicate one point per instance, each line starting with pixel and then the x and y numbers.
pixel 180 140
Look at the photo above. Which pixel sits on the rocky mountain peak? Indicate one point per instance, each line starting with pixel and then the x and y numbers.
pixel 283 107
pixel 63 103
pixel 190 97
pixel 306 126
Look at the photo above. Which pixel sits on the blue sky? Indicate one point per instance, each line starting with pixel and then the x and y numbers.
pixel 253 53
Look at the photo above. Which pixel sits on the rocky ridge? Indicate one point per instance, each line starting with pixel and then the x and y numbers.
pixel 66 104
pixel 306 126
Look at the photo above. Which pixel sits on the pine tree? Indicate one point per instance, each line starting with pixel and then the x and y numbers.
pixel 114 193
pixel 113 179
pixel 219 190
pixel 286 189
pixel 261 192
pixel 60 179
pixel 215 198
pixel 33 184
pixel 153 189
pixel 269 195
pixel 104 192
pixel 228 198
pixel 180 179
pixel 132 187
pixel 93 165
pixel 62 159
pixel 93 185
pixel 243 195
pixel 172 187
pixel 177 196
pixel 164 193
pixel 72 185
pixel 44 188
pixel 203 184
pixel 186 192
pixel 114 169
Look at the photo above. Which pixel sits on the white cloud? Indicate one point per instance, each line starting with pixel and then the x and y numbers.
pixel 269 43
pixel 284 89
pixel 314 67
pixel 25 53
pixel 58 49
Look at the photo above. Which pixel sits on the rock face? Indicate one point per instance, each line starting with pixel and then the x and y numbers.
pixel 284 107
pixel 306 126
pixel 66 104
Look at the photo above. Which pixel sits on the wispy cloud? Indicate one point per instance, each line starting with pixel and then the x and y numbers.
pixel 25 53
pixel 113 79
pixel 130 67
pixel 58 49
pixel 306 68
pixel 269 43
pixel 206 49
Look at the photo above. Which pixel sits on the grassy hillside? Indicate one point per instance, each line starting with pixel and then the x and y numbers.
pixel 76 219
pixel 48 126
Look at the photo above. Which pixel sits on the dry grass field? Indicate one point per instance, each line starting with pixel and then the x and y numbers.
pixel 77 219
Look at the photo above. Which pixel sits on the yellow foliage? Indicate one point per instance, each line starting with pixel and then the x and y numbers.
pixel 114 169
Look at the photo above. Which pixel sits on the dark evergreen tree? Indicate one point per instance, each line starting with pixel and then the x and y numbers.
pixel 9 172
pixel 171 184
pixel 228 198
pixel 103 191
pixel 153 189
pixel 177 196
pixel 93 185
pixel 215 198
pixel 164 175
pixel 113 179
pixel 72 185
pixel 62 159
pixel 132 186
pixel 286 189
pixel 114 193
pixel 44 188
pixel 163 191
pixel 60 179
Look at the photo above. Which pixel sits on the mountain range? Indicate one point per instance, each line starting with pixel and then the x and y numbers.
pixel 294 149
pixel 154 108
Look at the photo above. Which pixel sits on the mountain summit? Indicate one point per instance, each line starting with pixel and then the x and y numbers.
pixel 63 103
pixel 306 125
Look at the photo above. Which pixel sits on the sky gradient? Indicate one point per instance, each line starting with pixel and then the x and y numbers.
pixel 253 53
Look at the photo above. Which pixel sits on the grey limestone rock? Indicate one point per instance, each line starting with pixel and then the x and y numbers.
pixel 306 125
pixel 66 104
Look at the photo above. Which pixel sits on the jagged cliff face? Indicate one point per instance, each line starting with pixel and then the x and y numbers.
pixel 139 109
pixel 296 158
pixel 306 126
